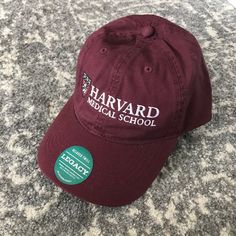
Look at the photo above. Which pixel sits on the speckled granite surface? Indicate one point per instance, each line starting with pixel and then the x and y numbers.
pixel 196 191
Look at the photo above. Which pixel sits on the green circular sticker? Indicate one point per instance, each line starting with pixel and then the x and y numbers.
pixel 74 165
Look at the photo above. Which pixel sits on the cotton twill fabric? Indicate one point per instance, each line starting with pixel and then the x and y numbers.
pixel 121 172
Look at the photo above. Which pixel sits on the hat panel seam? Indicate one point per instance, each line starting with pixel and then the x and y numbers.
pixel 179 87
pixel 84 51
pixel 115 73
pixel 115 83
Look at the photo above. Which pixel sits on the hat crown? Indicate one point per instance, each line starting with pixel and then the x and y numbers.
pixel 138 79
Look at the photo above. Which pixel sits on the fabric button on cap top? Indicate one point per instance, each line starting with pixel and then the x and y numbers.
pixel 147 31
pixel 130 104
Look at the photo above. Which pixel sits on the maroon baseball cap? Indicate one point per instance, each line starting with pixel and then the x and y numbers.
pixel 141 82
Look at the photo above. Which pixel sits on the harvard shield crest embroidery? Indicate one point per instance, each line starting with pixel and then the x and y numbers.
pixel 85 83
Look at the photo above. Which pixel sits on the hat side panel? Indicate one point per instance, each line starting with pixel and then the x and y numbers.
pixel 195 82
pixel 97 68
pixel 199 107
pixel 152 94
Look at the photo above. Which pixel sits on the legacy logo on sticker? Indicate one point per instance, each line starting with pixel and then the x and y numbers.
pixel 74 165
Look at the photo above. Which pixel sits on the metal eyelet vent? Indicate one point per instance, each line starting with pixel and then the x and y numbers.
pixel 148 69
pixel 103 50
